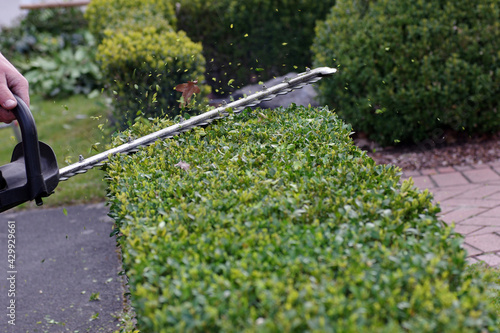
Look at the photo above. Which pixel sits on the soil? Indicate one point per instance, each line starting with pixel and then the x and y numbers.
pixel 429 154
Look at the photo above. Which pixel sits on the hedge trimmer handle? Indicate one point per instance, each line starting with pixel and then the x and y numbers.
pixel 33 172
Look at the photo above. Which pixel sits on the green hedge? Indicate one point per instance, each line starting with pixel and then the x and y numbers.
pixel 409 69
pixel 250 40
pixel 280 224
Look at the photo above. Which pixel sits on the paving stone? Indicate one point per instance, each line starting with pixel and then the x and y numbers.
pixel 427 172
pixel 468 229
pixel 411 173
pixel 462 167
pixel 471 250
pixel 468 196
pixel 491 259
pixel 483 221
pixel 442 194
pixel 446 170
pixel 480 192
pixel 449 179
pixel 485 243
pixel 495 212
pixel 445 209
pixel 481 230
pixel 423 182
pixel 462 202
pixel 480 166
pixel 495 196
pixel 461 213
pixel 495 163
pixel 481 175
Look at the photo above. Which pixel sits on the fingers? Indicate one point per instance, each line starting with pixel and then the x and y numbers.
pixel 11 82
pixel 19 86
pixel 7 101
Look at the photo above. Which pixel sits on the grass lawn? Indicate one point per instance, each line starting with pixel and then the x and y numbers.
pixel 70 127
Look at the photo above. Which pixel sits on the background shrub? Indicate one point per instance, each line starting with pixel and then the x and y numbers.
pixel 244 41
pixel 112 14
pixel 276 222
pixel 142 66
pixel 408 67
pixel 143 58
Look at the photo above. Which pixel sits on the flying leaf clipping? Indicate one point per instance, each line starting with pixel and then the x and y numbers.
pixel 187 90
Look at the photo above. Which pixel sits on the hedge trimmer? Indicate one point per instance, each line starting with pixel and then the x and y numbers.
pixel 33 172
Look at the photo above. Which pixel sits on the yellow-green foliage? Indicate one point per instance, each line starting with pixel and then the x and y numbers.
pixel 142 67
pixel 106 14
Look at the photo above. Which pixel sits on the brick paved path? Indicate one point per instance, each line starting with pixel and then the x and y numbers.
pixel 469 196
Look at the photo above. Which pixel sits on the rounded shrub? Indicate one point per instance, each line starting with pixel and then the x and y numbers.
pixel 253 39
pixel 142 65
pixel 106 14
pixel 410 68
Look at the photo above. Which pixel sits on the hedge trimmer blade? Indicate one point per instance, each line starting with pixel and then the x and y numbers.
pixel 266 94
pixel 33 172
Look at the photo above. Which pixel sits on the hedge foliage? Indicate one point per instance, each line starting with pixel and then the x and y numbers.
pixel 143 58
pixel 252 39
pixel 273 221
pixel 409 68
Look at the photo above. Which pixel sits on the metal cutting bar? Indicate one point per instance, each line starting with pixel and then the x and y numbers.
pixel 205 118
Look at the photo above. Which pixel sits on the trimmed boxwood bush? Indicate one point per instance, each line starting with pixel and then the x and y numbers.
pixel 252 39
pixel 274 221
pixel 411 68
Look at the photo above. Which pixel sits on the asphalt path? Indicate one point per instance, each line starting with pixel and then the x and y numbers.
pixel 64 276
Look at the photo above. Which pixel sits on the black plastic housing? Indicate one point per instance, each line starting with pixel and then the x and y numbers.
pixel 33 172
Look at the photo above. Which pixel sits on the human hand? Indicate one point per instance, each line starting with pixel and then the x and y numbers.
pixel 11 82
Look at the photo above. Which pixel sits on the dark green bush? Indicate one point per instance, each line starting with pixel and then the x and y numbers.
pixel 276 222
pixel 251 40
pixel 142 65
pixel 43 32
pixel 409 68
pixel 54 51
pixel 64 20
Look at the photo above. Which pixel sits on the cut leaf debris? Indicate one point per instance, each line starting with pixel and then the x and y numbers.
pixel 187 89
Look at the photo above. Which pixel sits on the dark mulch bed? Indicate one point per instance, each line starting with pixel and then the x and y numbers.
pixel 452 152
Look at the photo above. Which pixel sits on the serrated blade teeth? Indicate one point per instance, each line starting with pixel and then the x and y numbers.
pixel 133 145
